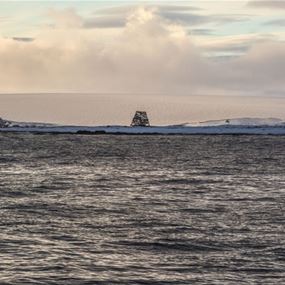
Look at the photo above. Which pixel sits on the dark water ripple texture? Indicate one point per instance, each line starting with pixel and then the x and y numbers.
pixel 142 209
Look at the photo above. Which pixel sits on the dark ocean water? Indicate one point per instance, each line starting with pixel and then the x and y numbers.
pixel 142 209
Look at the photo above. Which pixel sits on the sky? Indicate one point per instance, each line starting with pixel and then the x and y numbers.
pixel 180 60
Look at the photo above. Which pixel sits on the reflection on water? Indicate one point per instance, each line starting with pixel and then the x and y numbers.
pixel 142 210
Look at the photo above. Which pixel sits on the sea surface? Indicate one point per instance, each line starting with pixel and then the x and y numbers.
pixel 109 209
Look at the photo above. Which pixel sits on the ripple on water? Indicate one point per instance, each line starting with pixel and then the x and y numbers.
pixel 142 210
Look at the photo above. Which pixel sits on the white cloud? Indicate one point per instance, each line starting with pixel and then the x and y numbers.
pixel 149 54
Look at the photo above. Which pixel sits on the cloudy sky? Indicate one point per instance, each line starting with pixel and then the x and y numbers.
pixel 223 58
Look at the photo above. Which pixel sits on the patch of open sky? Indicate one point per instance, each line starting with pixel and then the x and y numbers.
pixel 238 28
pixel 253 25
pixel 29 15
pixel 26 17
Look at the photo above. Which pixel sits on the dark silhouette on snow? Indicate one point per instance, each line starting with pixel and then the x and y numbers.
pixel 3 123
pixel 140 119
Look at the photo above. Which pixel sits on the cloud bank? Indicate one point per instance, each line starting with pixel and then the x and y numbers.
pixel 148 54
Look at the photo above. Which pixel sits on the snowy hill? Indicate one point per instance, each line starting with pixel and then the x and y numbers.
pixel 241 122
pixel 10 124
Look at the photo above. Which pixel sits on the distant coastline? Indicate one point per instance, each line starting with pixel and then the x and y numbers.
pixel 238 126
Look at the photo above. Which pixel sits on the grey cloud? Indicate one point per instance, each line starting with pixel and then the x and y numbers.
pixel 116 16
pixel 267 4
pixel 203 32
pixel 238 47
pixel 184 15
pixel 22 39
pixel 196 19
pixel 233 48
pixel 164 8
pixel 112 21
pixel 222 58
pixel 184 18
pixel 177 8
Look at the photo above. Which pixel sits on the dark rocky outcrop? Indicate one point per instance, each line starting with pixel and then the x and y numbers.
pixel 4 123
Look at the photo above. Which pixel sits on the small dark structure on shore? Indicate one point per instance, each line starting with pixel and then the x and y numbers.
pixel 140 119
pixel 3 123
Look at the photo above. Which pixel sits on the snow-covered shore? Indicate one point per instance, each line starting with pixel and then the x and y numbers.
pixel 241 126
pixel 171 130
